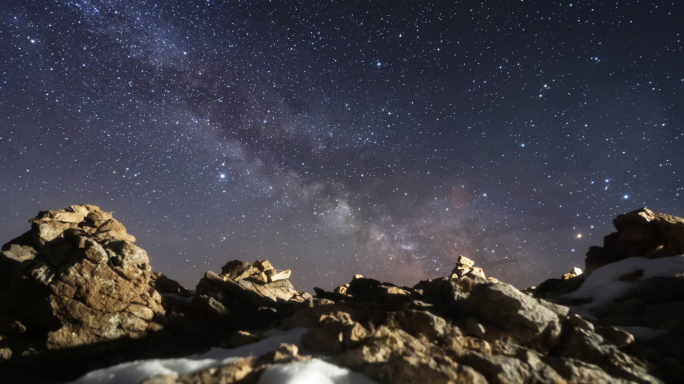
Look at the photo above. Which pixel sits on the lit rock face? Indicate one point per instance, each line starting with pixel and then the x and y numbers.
pixel 247 295
pixel 465 329
pixel 81 279
pixel 641 233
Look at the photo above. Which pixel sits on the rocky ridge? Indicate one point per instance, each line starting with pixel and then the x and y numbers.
pixel 463 328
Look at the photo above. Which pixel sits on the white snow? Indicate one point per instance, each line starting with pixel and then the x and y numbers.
pixel 603 286
pixel 135 371
pixel 644 333
pixel 314 371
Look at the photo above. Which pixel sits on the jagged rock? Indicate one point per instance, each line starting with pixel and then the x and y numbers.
pixel 84 275
pixel 466 267
pixel 574 273
pixel 263 265
pixel 164 285
pixel 242 295
pixel 641 233
pixel 282 275
pixel 237 270
pixel 531 323
pixel 79 290
pixel 421 323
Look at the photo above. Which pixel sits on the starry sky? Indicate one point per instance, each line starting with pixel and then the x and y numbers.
pixel 339 137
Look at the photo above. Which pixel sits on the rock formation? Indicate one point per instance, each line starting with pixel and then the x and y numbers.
pixel 76 280
pixel 248 296
pixel 641 233
pixel 654 305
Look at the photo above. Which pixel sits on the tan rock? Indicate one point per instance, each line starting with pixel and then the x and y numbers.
pixel 263 265
pixel 357 276
pixel 259 278
pixel 79 209
pixel 241 338
pixel 238 270
pixel 113 236
pixel 476 272
pixel 285 353
pixel 111 225
pixel 81 289
pixel 638 218
pixel 66 217
pixel 573 273
pixel 44 232
pixel 342 289
pixel 462 260
pixel 92 208
pixel 282 275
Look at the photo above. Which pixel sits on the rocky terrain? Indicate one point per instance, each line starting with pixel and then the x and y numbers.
pixel 77 295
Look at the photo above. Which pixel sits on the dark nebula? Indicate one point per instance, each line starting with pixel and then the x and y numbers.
pixel 333 138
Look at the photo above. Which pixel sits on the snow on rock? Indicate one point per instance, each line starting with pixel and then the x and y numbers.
pixel 135 371
pixel 604 285
pixel 314 371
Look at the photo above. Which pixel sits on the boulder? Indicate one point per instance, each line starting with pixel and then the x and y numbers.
pixel 530 321
pixel 244 296
pixel 78 290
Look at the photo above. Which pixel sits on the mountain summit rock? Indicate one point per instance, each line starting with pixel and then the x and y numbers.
pixel 77 294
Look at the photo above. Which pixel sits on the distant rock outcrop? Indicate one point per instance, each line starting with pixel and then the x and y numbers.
pixel 247 296
pixel 641 233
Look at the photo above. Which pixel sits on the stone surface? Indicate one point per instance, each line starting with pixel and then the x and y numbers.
pixel 83 283
pixel 77 290
pixel 245 296
pixel 573 273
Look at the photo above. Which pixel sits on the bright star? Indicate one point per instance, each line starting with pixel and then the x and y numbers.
pixel 223 175
pixel 625 197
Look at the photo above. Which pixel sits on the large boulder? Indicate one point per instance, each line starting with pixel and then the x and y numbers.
pixel 81 281
pixel 531 321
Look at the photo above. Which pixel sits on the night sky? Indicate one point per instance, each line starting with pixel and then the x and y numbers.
pixel 333 138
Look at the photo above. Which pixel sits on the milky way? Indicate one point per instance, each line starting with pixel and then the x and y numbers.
pixel 335 138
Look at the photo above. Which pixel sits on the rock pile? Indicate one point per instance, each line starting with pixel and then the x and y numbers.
pixel 466 267
pixel 641 233
pixel 247 296
pixel 75 279
pixel 653 307
pixel 463 330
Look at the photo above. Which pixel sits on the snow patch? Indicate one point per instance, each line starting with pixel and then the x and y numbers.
pixel 314 371
pixel 603 286
pixel 135 371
